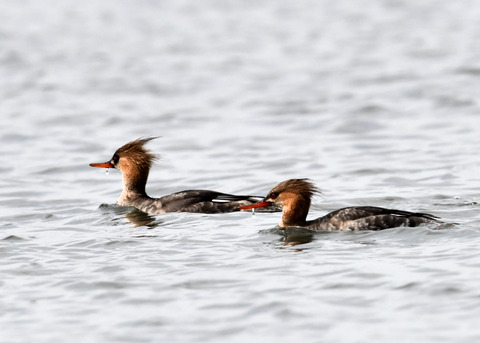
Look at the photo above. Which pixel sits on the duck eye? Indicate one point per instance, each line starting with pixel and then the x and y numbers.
pixel 115 159
pixel 273 195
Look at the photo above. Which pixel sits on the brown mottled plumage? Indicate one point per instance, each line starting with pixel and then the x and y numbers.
pixel 134 162
pixel 294 196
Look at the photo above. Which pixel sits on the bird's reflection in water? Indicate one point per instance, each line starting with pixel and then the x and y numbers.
pixel 140 218
pixel 291 236
pixel 295 236
pixel 135 216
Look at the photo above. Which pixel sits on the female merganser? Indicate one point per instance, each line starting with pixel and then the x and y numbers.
pixel 294 196
pixel 134 162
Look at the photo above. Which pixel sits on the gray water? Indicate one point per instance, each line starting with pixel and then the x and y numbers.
pixel 375 101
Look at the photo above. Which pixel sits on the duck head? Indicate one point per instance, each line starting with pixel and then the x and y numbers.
pixel 134 161
pixel 294 197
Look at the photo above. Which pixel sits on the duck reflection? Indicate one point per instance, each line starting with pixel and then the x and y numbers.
pixel 295 236
pixel 135 216
pixel 291 236
pixel 139 218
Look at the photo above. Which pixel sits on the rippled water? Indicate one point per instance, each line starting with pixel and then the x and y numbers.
pixel 375 101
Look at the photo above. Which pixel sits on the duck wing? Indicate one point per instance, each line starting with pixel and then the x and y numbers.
pixel 206 201
pixel 370 218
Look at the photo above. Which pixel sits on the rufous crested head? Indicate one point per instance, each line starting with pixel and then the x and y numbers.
pixel 302 189
pixel 294 196
pixel 136 152
pixel 134 161
pixel 299 187
pixel 133 154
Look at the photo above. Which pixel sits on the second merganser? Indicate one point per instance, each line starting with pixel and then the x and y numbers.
pixel 295 195
pixel 134 162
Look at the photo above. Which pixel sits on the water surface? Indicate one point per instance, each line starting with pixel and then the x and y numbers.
pixel 375 101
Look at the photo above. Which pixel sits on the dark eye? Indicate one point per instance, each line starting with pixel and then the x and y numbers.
pixel 273 195
pixel 115 159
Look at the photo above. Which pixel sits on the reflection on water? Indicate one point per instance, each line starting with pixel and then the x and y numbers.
pixel 133 215
pixel 296 236
pixel 140 218
pixel 291 236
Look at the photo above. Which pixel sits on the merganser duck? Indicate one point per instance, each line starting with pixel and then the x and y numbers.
pixel 134 162
pixel 295 195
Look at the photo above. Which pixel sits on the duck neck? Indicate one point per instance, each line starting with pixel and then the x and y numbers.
pixel 134 183
pixel 295 211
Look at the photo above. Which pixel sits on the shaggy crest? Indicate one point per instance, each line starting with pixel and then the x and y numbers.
pixel 137 152
pixel 303 187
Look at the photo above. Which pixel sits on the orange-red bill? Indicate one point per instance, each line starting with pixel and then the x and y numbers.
pixel 256 205
pixel 102 165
